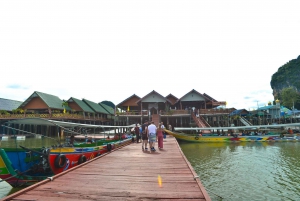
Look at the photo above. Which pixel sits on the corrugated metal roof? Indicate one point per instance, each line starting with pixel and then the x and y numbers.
pixel 267 107
pixel 128 99
pixel 82 104
pixel 109 109
pixel 96 107
pixel 9 105
pixel 51 101
pixel 238 112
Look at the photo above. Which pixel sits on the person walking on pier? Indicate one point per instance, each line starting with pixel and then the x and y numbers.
pixel 152 135
pixel 137 133
pixel 145 136
pixel 160 137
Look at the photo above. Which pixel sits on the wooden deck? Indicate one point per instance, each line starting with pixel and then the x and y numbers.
pixel 124 174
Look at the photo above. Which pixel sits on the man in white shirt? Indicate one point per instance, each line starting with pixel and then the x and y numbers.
pixel 151 131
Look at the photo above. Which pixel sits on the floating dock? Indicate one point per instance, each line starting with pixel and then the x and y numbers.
pixel 127 173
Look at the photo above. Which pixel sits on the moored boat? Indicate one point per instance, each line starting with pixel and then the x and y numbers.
pixel 23 165
pixel 274 136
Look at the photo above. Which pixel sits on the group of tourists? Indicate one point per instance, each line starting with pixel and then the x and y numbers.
pixel 149 133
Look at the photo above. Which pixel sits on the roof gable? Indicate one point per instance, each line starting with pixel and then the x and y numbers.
pixel 210 98
pixel 9 105
pixel 152 97
pixel 81 104
pixel 109 109
pixel 193 96
pixel 96 107
pixel 173 99
pixel 130 101
pixel 50 100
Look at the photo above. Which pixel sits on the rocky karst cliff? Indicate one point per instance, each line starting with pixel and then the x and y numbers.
pixel 287 75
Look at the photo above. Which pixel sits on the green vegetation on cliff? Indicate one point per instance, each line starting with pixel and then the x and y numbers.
pixel 287 75
pixel 286 83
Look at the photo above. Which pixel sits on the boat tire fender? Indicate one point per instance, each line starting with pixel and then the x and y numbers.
pixel 82 159
pixel 108 146
pixel 196 138
pixel 60 161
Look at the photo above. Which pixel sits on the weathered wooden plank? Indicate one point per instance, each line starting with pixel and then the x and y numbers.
pixel 113 193
pixel 126 174
pixel 104 198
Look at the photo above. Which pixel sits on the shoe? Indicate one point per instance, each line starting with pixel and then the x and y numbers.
pixel 146 149
pixel 152 149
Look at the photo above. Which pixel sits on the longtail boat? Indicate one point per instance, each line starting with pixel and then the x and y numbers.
pixel 23 165
pixel 279 135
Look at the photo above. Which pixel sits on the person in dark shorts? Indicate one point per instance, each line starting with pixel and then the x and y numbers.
pixel 137 133
pixel 144 136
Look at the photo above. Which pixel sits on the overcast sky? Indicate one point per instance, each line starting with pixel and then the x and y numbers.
pixel 110 50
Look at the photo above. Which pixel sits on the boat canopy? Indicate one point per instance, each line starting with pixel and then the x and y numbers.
pixel 48 122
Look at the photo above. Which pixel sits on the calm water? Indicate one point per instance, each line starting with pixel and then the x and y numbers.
pixel 247 171
pixel 31 142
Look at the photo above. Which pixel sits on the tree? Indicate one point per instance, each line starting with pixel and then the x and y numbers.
pixel 64 104
pixel 290 97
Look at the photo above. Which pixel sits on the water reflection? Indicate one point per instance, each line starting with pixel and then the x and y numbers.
pixel 31 142
pixel 247 171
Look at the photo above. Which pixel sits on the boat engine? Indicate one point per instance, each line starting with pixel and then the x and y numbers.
pixel 44 160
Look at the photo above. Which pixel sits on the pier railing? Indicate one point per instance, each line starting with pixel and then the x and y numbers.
pixel 52 116
pixel 174 112
pixel 146 112
pixel 216 111
pixel 133 113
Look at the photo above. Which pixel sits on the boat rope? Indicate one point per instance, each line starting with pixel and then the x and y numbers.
pixel 30 133
pixel 16 175
pixel 65 130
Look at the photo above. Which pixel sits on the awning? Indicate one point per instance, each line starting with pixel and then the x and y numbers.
pixel 48 122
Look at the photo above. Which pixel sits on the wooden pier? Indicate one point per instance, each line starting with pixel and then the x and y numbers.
pixel 127 173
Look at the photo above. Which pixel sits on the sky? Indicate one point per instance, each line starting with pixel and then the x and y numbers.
pixel 110 50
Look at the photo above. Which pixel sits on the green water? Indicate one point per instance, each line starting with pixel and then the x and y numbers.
pixel 31 142
pixel 247 171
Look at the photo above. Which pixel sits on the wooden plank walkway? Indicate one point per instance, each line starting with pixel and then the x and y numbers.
pixel 127 173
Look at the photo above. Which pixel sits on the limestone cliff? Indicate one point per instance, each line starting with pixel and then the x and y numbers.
pixel 287 75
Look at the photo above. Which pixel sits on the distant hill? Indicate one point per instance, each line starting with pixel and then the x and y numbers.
pixel 287 75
